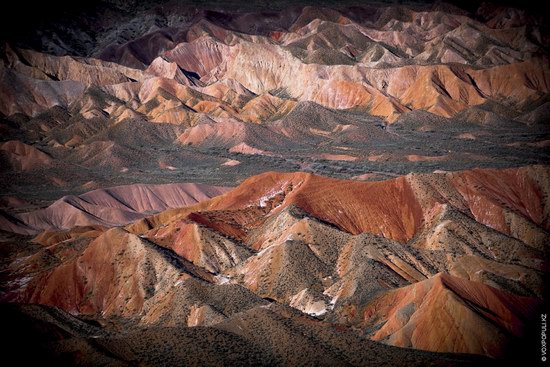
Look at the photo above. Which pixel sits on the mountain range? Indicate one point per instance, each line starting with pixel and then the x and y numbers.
pixel 197 183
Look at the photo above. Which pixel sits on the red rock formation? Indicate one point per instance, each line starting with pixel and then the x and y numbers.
pixel 449 314
pixel 395 209
pixel 116 274
pixel 369 255
pixel 445 261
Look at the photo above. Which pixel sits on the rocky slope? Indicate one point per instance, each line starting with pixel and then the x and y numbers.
pixel 108 207
pixel 390 200
pixel 376 59
pixel 175 91
pixel 382 258
pixel 241 341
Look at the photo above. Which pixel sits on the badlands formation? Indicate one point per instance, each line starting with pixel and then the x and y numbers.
pixel 339 184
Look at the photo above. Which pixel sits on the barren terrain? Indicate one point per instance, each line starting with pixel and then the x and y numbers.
pixel 187 183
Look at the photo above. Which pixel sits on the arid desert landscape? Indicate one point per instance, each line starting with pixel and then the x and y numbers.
pixel 223 183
